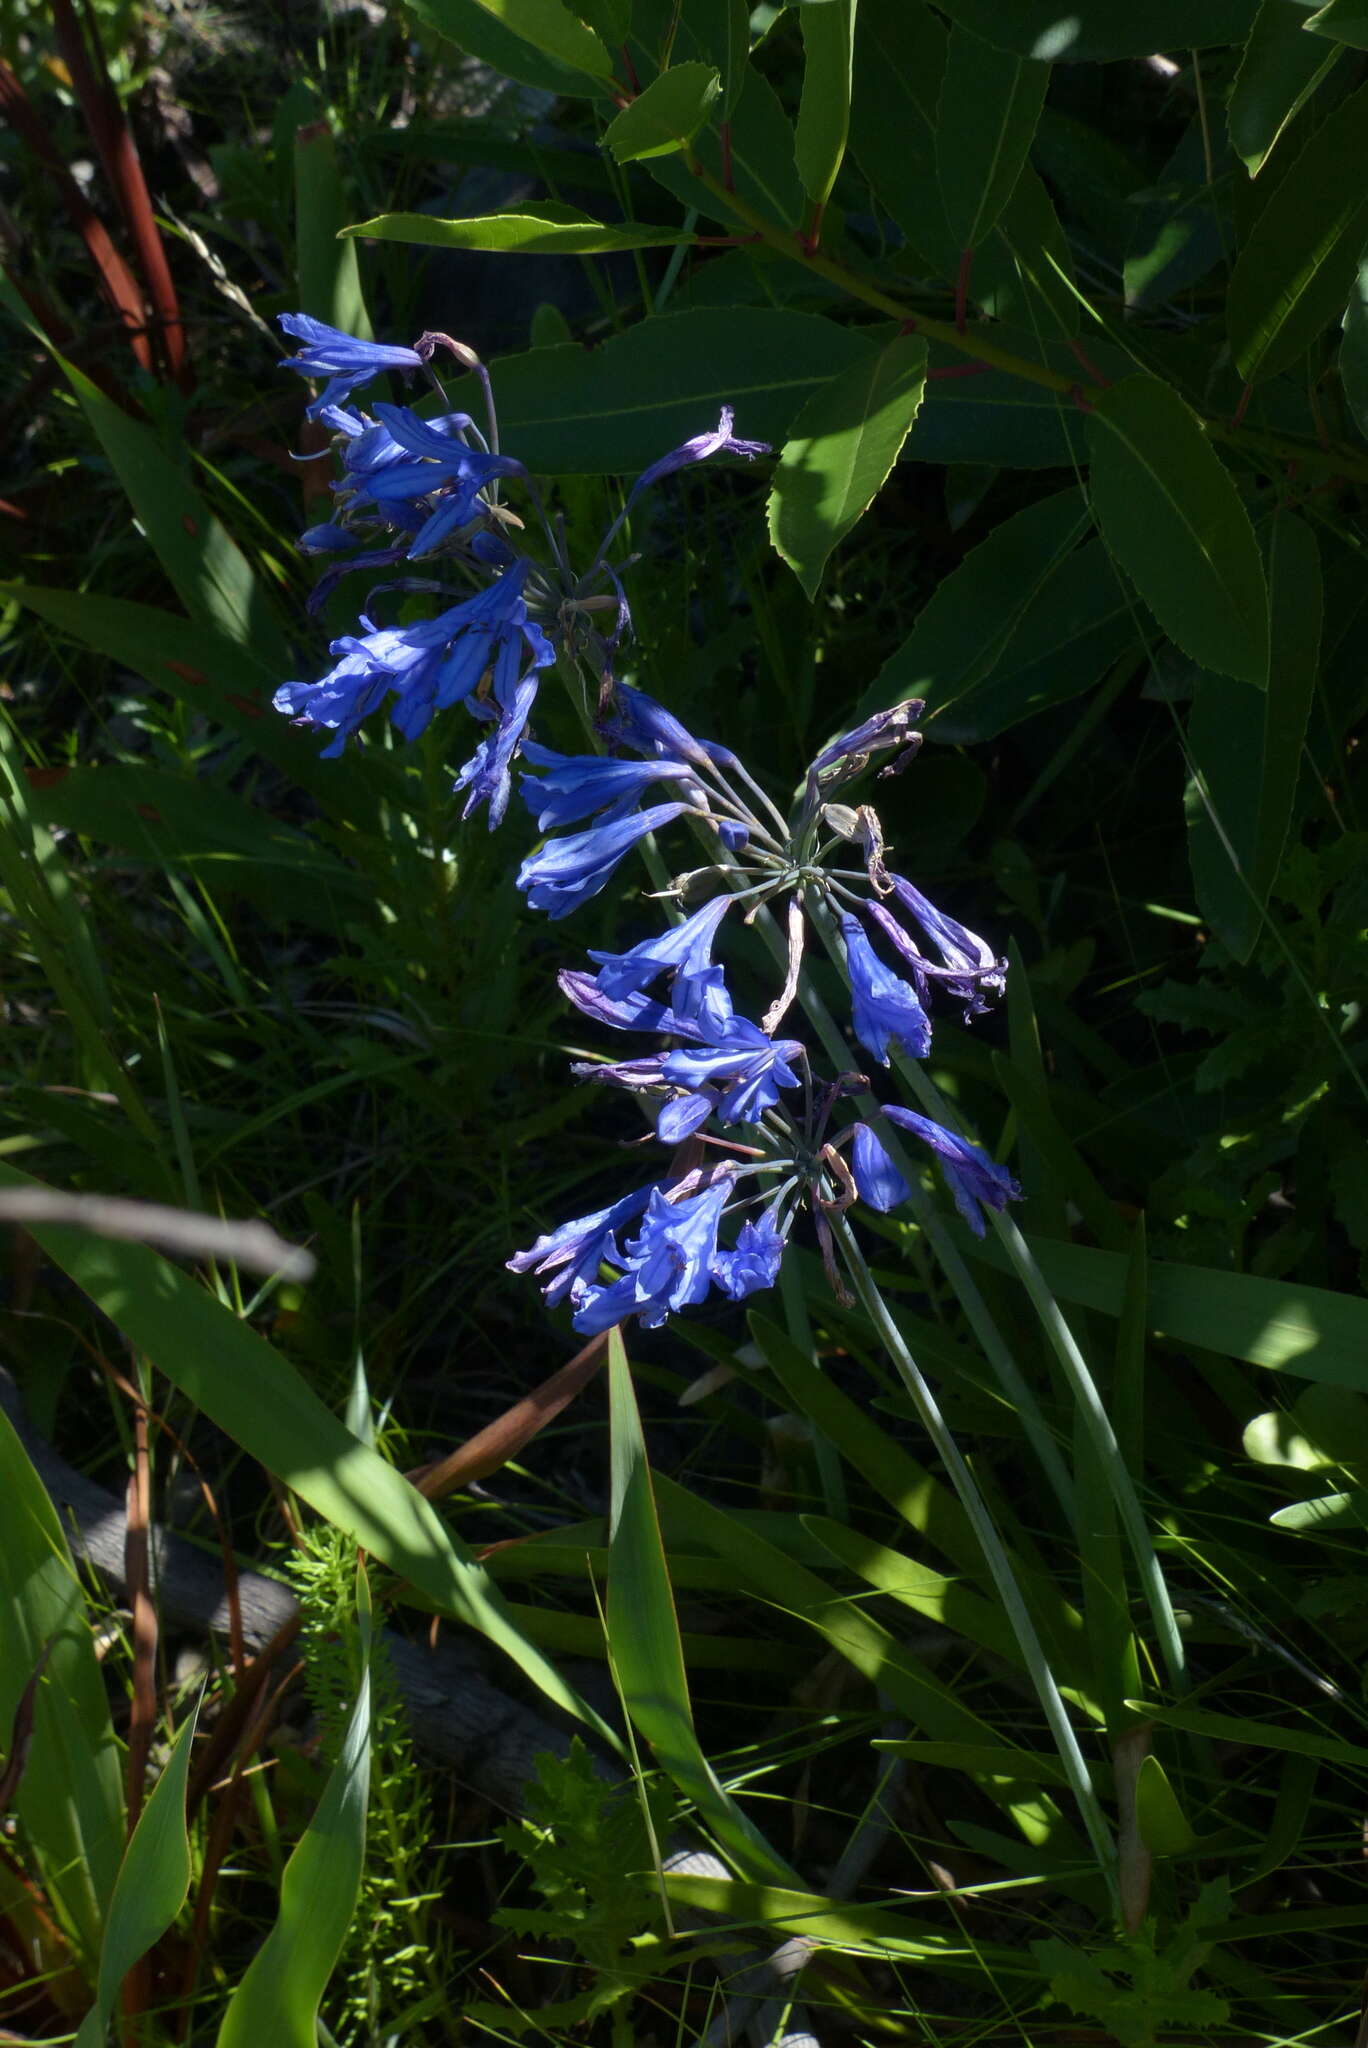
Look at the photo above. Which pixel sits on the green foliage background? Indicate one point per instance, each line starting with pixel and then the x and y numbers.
pixel 1057 320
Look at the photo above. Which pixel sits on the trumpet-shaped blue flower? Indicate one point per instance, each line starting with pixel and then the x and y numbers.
pixel 756 1260
pixel 567 872
pixel 630 1012
pixel 341 358
pixel 574 786
pixel 669 1262
pixel 976 1181
pixel 686 946
pixel 699 448
pixel 734 1055
pixel 648 728
pixel 876 1177
pixel 887 1011
pixel 969 968
pixel 428 665
pixel 573 1254
pixel 486 774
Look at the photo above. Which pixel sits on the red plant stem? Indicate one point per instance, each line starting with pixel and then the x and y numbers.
pixel 966 264
pixel 813 238
pixel 630 68
pixel 1237 417
pixel 1080 356
pixel 113 140
pixel 959 370
pixel 117 281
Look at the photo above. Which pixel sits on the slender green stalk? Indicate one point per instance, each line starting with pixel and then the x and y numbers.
pixel 999 1564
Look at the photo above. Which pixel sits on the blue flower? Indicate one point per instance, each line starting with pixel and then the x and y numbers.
pixel 445 466
pixel 574 786
pixel 891 728
pixel 325 539
pixel 969 968
pixel 686 946
pixel 734 1055
pixel 976 1181
pixel 346 362
pixel 755 1262
pixel 876 1177
pixel 699 448
pixel 887 1011
pixel 632 1012
pixel 567 872
pixel 428 665
pixel 486 774
pixel 573 1254
pixel 669 1263
pixel 648 728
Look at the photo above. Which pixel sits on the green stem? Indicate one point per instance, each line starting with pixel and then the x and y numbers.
pixel 999 1564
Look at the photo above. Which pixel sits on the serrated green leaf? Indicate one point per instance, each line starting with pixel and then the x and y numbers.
pixel 151 1888
pixel 1175 523
pixel 760 156
pixel 1294 272
pixel 1278 73
pixel 989 105
pixel 666 115
pixel 824 108
pixel 1091 31
pixel 899 65
pixel 542 229
pixel 475 30
pixel 621 406
pixel 1164 1827
pixel 1246 748
pixel 844 443
pixel 1344 21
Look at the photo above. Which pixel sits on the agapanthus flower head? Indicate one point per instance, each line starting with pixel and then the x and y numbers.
pixel 686 947
pixel 669 1262
pixel 888 1012
pixel 572 1255
pixel 343 360
pixel 564 873
pixel 427 665
pixel 975 1179
pixel 575 786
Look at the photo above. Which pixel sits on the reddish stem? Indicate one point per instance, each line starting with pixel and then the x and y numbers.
pixel 959 370
pixel 630 68
pixel 113 139
pixel 966 264
pixel 1083 404
pixel 813 236
pixel 1243 407
pixel 909 326
pixel 1080 356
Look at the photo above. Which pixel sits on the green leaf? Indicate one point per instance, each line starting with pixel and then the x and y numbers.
pixel 329 279
pixel 829 1923
pixel 1253 1734
pixel 1279 71
pixel 899 64
pixel 208 571
pixel 824 109
pixel 1031 1766
pixel 844 443
pixel 1164 1827
pixel 551 29
pixel 151 1888
pixel 619 407
pixel 960 636
pixel 1283 1325
pixel 666 115
pixel 278 1998
pixel 643 1634
pixel 761 158
pixel 1246 746
pixel 261 1401
pixel 543 228
pixel 1332 1509
pixel 1175 522
pixel 474 29
pixel 989 106
pixel 69 1803
pixel 1353 355
pixel 1089 31
pixel 1295 270
pixel 1325 1429
pixel 1344 21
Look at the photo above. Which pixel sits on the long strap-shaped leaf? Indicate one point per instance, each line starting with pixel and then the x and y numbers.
pixel 263 1403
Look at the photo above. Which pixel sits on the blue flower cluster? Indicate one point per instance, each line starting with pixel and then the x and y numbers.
pixel 748 1123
